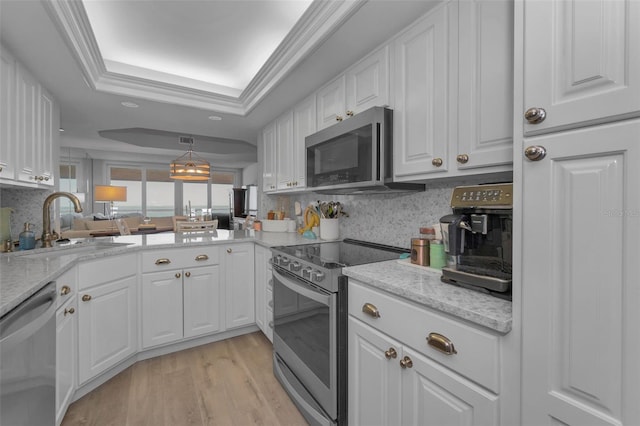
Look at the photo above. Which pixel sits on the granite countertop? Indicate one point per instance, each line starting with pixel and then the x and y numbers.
pixel 22 274
pixel 423 286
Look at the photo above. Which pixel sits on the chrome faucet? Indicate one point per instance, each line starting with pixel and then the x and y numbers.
pixel 47 235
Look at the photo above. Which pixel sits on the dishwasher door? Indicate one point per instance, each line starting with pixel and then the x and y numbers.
pixel 28 361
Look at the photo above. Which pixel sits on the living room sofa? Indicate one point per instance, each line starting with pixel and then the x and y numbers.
pixel 83 227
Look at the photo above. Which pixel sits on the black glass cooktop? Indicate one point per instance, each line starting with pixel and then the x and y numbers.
pixel 332 255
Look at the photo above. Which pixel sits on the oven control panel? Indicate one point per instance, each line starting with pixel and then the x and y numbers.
pixel 301 269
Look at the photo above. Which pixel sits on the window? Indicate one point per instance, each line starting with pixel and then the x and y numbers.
pixel 132 179
pixel 221 186
pixel 160 193
pixel 194 196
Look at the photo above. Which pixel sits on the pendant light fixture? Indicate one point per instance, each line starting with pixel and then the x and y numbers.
pixel 190 166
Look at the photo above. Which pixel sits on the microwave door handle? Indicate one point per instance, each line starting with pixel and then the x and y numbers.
pixel 303 290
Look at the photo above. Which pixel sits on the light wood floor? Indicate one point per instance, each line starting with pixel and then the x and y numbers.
pixel 223 383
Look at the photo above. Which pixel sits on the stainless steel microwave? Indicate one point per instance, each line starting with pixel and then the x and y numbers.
pixel 355 156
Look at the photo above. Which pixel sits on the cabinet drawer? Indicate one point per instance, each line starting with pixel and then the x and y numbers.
pixel 106 269
pixel 165 259
pixel 477 352
pixel 66 286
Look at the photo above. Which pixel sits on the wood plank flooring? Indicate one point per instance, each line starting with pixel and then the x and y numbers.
pixel 230 382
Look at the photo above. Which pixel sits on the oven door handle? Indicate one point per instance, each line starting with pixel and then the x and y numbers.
pixel 303 290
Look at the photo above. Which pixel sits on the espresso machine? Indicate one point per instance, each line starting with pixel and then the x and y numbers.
pixel 477 238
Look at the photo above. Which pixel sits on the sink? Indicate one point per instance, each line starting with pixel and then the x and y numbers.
pixel 69 249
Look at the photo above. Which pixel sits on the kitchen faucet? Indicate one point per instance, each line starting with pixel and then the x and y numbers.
pixel 47 235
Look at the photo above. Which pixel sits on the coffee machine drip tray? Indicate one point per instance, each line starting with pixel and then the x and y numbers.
pixel 453 275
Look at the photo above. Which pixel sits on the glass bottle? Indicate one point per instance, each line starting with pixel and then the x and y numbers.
pixel 27 238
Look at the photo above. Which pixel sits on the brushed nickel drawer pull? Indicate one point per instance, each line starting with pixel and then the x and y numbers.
pixel 441 343
pixel 202 257
pixel 163 261
pixel 370 309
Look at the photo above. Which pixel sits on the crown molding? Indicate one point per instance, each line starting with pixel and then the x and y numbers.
pixel 316 25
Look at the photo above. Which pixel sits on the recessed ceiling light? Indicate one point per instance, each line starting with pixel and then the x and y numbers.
pixel 61 129
pixel 129 104
pixel 215 118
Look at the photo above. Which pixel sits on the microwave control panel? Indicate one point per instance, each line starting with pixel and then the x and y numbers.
pixel 498 196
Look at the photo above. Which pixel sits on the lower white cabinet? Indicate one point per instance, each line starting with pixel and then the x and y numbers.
pixel 66 355
pixel 406 380
pixel 264 291
pixel 107 314
pixel 238 265
pixel 180 303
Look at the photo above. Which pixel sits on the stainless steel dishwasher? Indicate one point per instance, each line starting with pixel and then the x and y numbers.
pixel 28 361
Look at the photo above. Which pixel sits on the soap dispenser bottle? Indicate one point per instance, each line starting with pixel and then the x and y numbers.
pixel 27 238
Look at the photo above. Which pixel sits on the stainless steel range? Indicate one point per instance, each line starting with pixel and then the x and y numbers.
pixel 310 322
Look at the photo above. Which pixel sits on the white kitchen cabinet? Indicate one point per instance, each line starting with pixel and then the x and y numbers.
pixel 66 355
pixel 285 151
pixel 581 62
pixel 180 303
pixel 581 222
pixel 264 291
pixel 304 124
pixel 269 153
pixel 238 262
pixel 485 85
pixel 30 121
pixel 7 115
pixel 391 383
pixel 362 86
pixel 107 314
pixel 453 111
pixel 421 112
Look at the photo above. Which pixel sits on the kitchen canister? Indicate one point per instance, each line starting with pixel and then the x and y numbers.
pixel 329 229
pixel 436 254
pixel 420 251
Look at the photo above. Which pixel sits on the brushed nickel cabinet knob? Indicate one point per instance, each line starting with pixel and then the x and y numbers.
pixel 65 290
pixel 462 158
pixel 437 162
pixel 86 298
pixel 390 353
pixel 535 152
pixel 406 362
pixel 69 311
pixel 535 115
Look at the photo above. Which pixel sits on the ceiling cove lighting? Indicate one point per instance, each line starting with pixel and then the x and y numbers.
pixel 189 166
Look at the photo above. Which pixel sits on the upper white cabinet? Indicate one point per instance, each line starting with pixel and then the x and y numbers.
pixel 581 63
pixel 30 121
pixel 269 158
pixel 453 109
pixel 485 84
pixel 421 108
pixel 7 115
pixel 364 85
pixel 304 124
pixel 285 151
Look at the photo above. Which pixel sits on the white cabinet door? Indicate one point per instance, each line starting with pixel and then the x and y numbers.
pixel 269 158
pixel 367 82
pixel 203 307
pixel 262 256
pixel 374 395
pixel 304 124
pixel 581 61
pixel 27 132
pixel 8 111
pixel 161 307
pixel 66 356
pixel 48 131
pixel 433 394
pixel 581 222
pixel 238 262
pixel 485 84
pixel 331 102
pixel 107 326
pixel 421 113
pixel 284 148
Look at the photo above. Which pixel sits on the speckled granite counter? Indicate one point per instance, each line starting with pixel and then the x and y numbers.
pixel 22 274
pixel 423 286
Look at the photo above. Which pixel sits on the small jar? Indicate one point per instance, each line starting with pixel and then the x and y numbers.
pixel 436 254
pixel 257 225
pixel 420 251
